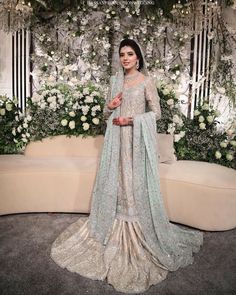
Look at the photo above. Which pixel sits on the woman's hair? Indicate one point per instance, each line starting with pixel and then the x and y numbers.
pixel 135 47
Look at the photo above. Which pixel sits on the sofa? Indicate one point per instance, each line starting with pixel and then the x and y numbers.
pixel 57 175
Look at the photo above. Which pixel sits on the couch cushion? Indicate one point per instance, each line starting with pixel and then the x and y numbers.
pixel 200 173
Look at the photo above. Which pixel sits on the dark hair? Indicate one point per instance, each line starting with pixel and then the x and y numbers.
pixel 135 47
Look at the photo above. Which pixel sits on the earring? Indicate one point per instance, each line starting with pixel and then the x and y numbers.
pixel 137 65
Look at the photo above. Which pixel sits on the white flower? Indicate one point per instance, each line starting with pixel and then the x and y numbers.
pixel 218 155
pixel 201 119
pixel 88 99
pixel 25 125
pixel 223 144
pixel 196 113
pixel 177 137
pixel 17 118
pixel 171 128
pixel 170 102
pixel 229 132
pixel 210 119
pixel 61 100
pixel 64 122
pixel 85 109
pixel 15 140
pixel 229 157
pixel 177 120
pixel 72 114
pixel 2 112
pixel 202 126
pixel 95 121
pixel 83 118
pixel 72 124
pixel 233 142
pixel 166 91
pixel 36 98
pixel 29 118
pixel 205 106
pixel 9 107
pixel 53 105
pixel 19 128
pixel 14 131
pixel 27 134
pixel 43 105
pixel 85 91
pixel 86 126
pixel 24 139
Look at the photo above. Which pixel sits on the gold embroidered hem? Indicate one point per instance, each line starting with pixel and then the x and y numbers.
pixel 125 261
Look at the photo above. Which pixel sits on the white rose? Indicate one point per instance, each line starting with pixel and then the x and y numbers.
pixel 201 119
pixel 205 106
pixel 229 157
pixel 196 113
pixel 72 124
pixel 182 133
pixel 72 114
pixel 9 107
pixel 166 91
pixel 233 142
pixel 202 126
pixel 19 128
pixel 177 137
pixel 83 118
pixel 218 155
pixel 85 126
pixel 29 118
pixel 25 139
pixel 43 105
pixel 61 100
pixel 210 119
pixel 2 112
pixel 85 91
pixel 14 131
pixel 170 101
pixel 95 121
pixel 223 144
pixel 64 122
pixel 88 99
pixel 27 134
pixel 25 125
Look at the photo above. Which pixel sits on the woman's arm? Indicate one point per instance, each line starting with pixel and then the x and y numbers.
pixel 152 97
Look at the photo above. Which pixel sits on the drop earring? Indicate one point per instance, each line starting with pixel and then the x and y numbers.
pixel 137 65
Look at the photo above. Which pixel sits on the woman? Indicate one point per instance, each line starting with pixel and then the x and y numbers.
pixel 128 240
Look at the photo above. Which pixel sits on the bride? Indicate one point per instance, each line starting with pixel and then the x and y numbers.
pixel 128 240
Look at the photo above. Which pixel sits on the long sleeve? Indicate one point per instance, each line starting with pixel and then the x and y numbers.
pixel 152 97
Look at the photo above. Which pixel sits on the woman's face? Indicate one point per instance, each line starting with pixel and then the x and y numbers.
pixel 128 57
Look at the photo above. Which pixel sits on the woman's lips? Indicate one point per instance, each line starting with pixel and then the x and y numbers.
pixel 126 63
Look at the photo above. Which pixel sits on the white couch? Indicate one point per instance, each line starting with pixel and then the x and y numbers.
pixel 57 175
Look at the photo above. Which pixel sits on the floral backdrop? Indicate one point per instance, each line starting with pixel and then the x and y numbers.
pixel 74 54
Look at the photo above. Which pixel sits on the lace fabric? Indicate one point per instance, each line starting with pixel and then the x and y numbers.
pixel 127 239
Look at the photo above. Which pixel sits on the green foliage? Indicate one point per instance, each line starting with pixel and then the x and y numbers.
pixel 203 142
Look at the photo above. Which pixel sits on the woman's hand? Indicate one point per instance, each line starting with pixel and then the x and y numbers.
pixel 116 101
pixel 122 121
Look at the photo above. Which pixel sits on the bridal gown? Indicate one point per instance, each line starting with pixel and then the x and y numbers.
pixel 126 261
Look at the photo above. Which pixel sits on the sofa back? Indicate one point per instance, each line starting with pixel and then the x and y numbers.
pixel 62 146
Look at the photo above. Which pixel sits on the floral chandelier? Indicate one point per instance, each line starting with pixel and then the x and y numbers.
pixel 14 15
